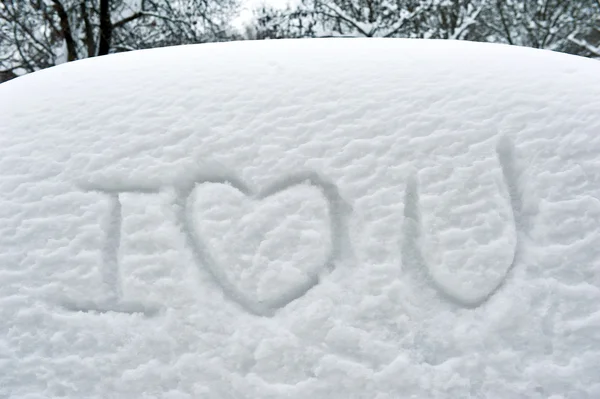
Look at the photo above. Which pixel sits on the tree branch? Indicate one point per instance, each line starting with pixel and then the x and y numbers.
pixel 500 9
pixel 340 14
pixel 595 51
pixel 89 31
pixel 467 22
pixel 402 22
pixel 128 19
pixel 66 30
pixel 26 63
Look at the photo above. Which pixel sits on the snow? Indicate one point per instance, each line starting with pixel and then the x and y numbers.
pixel 332 218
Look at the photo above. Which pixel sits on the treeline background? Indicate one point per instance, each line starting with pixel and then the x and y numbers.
pixel 37 34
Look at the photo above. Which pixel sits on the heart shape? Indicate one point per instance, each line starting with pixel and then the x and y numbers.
pixel 268 248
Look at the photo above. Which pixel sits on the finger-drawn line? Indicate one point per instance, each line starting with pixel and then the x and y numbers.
pixel 119 188
pixel 340 242
pixel 110 257
pixel 412 229
pixel 512 174
pixel 110 252
pixel 338 209
pixel 118 306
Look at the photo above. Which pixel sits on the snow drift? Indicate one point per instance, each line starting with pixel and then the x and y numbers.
pixel 305 219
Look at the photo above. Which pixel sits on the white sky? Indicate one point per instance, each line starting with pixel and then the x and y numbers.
pixel 248 5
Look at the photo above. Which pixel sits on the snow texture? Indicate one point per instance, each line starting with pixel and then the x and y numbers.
pixel 302 219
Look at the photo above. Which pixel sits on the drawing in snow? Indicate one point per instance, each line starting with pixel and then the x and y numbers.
pixel 303 219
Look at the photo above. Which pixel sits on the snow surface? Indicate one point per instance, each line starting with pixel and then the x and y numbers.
pixel 302 219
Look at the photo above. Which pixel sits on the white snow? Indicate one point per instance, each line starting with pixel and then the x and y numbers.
pixel 304 219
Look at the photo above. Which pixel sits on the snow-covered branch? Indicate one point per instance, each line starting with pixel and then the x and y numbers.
pixel 593 50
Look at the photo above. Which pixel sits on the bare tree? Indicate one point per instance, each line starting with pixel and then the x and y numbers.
pixel 455 19
pixel 560 25
pixel 289 23
pixel 36 34
pixel 368 18
pixel 377 18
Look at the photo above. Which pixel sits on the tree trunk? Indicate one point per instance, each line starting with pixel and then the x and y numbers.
pixel 105 28
pixel 65 28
